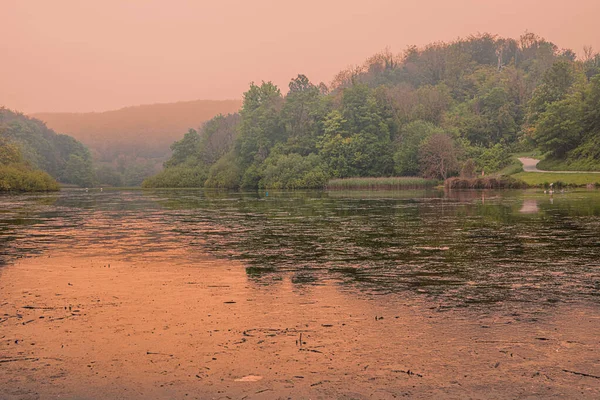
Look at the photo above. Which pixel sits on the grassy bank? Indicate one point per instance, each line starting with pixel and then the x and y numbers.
pixel 587 164
pixel 542 178
pixel 386 183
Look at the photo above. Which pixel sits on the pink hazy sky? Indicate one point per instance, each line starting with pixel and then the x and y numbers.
pixel 80 55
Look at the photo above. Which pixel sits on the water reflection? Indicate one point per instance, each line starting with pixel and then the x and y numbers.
pixel 530 206
pixel 463 249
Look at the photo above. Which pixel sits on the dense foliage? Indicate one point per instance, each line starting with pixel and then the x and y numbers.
pixel 16 175
pixel 61 156
pixel 568 126
pixel 430 112
pixel 20 178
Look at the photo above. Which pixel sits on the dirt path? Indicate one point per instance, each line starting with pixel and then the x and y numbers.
pixel 100 328
pixel 530 165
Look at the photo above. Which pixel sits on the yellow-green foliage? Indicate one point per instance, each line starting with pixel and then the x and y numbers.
pixel 293 171
pixel 389 183
pixel 545 178
pixel 19 178
pixel 224 174
pixel 180 176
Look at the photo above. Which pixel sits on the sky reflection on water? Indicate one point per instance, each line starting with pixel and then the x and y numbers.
pixel 464 249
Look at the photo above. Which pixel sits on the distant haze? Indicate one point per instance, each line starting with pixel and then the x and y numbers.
pixel 73 55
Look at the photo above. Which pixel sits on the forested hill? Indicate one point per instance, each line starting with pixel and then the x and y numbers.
pixel 436 111
pixel 28 141
pixel 132 143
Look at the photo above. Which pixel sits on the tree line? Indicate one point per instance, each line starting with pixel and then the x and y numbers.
pixel 437 111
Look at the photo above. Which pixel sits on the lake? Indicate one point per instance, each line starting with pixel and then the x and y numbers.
pixel 193 294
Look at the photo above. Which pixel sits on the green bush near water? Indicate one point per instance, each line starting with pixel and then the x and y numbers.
pixel 180 176
pixel 20 178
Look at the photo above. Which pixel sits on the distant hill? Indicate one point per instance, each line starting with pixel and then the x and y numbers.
pixel 28 142
pixel 134 141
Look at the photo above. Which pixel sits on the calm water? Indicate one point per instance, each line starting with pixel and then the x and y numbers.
pixel 470 249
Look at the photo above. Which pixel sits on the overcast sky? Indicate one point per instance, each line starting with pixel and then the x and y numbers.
pixel 84 55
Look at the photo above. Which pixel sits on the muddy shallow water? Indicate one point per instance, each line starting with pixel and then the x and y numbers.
pixel 185 294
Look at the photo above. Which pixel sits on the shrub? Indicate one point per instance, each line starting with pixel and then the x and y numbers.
pixel 293 171
pixel 180 176
pixel 224 174
pixel 21 178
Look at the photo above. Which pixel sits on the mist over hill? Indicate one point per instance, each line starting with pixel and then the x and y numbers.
pixel 131 143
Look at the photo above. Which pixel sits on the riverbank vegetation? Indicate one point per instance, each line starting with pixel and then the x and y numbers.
pixel 40 148
pixel 444 110
pixel 565 118
pixel 17 176
pixel 20 178
pixel 490 182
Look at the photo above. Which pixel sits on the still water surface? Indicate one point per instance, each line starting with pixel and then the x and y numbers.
pixel 466 249
pixel 346 295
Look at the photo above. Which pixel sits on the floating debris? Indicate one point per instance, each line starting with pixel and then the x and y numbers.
pixel 249 378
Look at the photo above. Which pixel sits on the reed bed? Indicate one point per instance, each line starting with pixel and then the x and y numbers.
pixel 385 183
pixel 492 182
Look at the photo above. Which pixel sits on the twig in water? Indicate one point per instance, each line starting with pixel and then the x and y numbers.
pixel 409 372
pixel 312 350
pixel 581 373
pixel 18 359
pixel 159 354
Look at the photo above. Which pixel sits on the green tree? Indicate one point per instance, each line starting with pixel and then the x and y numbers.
pixel 107 175
pixel 217 137
pixel 408 143
pixel 554 87
pixel 301 114
pixel 9 153
pixel 185 150
pixel 260 126
pixel 79 171
pixel 559 127
pixel 591 108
